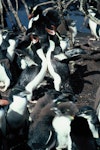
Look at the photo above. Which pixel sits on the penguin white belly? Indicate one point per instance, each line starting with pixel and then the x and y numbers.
pixel 93 28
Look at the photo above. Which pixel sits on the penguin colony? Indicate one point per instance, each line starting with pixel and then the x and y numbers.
pixel 40 112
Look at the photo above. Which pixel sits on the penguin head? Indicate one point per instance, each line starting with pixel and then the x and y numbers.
pixel 34 12
pixel 86 112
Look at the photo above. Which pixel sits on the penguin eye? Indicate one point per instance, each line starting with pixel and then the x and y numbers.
pixel 67 110
pixel 87 112
pixel 33 11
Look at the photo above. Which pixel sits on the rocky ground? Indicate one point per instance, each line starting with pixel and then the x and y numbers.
pixel 86 78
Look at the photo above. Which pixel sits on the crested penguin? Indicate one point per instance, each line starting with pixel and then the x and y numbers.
pixel 44 24
pixel 43 67
pixel 59 70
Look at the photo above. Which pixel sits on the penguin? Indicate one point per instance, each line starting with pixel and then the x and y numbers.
pixel 17 118
pixel 41 132
pixel 91 117
pixel 57 69
pixel 65 112
pixel 8 43
pixel 24 59
pixel 43 68
pixel 3 39
pixel 3 104
pixel 44 24
pixel 6 77
pixel 97 103
pixel 95 28
pixel 34 66
pixel 72 28
pixel 81 134
pixel 3 124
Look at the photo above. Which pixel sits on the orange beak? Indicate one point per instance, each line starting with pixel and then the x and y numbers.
pixel 30 16
pixel 4 102
pixel 50 31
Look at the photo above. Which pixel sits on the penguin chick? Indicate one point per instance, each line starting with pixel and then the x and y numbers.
pixel 62 124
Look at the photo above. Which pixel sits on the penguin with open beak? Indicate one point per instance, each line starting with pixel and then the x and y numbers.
pixel 40 55
pixel 34 67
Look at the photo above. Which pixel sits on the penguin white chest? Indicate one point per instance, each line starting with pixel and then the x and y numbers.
pixel 93 28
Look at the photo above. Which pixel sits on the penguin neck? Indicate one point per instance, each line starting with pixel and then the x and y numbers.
pixel 11 49
pixel 93 129
pixel 35 82
pixel 49 52
pixel 18 105
pixel 51 47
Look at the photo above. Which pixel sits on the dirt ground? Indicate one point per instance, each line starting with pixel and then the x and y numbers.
pixel 86 78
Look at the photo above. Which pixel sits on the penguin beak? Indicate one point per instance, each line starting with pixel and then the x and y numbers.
pixel 30 16
pixel 4 102
pixel 79 114
pixel 71 117
pixel 50 31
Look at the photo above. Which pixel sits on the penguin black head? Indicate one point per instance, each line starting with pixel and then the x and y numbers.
pixel 86 110
pixel 15 91
pixel 34 11
pixel 88 113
